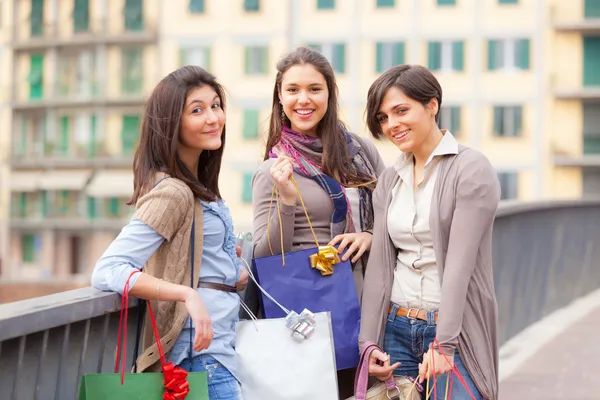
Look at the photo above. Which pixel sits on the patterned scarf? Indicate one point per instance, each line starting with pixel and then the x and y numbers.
pixel 307 153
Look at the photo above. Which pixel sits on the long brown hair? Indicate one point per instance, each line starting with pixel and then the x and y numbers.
pixel 415 81
pixel 159 137
pixel 336 161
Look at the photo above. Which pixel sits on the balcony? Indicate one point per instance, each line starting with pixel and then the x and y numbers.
pixel 589 93
pixel 583 26
pixel 98 32
pixel 589 158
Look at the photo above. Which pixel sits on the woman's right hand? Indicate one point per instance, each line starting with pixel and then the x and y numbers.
pixel 201 319
pixel 281 172
pixel 382 372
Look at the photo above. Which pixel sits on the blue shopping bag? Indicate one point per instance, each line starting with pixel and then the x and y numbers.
pixel 297 285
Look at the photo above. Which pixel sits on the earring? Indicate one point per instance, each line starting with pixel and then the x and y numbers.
pixel 283 117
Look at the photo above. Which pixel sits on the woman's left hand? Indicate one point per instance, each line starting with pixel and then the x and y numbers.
pixel 442 366
pixel 358 243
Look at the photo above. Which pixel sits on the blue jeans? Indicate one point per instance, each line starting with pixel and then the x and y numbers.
pixel 407 339
pixel 221 384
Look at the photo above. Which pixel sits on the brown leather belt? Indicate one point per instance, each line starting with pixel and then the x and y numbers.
pixel 413 313
pixel 218 286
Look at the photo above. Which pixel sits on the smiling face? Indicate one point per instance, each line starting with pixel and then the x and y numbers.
pixel 304 97
pixel 406 122
pixel 202 121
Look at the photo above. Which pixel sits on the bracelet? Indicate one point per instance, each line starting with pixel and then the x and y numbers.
pixel 369 231
pixel 286 213
pixel 158 291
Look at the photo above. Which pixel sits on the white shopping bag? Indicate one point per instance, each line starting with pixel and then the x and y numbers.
pixel 274 366
pixel 289 358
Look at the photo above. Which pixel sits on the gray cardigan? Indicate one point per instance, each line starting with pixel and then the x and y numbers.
pixel 463 208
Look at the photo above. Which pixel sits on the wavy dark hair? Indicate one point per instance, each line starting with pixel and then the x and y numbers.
pixel 159 137
pixel 415 81
pixel 336 161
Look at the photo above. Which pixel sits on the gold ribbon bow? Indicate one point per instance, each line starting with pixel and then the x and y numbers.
pixel 325 259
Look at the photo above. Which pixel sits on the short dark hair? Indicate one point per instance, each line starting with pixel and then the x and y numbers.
pixel 415 81
pixel 159 137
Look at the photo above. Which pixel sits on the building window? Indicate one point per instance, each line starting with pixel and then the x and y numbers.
pixel 19 205
pixel 44 204
pixel 250 130
pixel 591 128
pixel 130 133
pixel 92 208
pixel 62 203
pixel 63 141
pixel 388 54
pixel 508 1
pixel 199 56
pixel 81 15
pixel 28 248
pixel 247 187
pixel 325 4
pixel 591 61
pixel 449 118
pixel 134 15
pixel 36 20
pixel 251 5
pixel 446 2
pixel 385 3
pixel 256 60
pixel 132 77
pixel 508 54
pixel 196 6
pixel 334 52
pixel 592 9
pixel 36 77
pixel 94 143
pixel 508 121
pixel 113 209
pixel 509 185
pixel 446 56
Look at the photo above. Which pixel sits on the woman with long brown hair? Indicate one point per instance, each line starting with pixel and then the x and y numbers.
pixel 181 233
pixel 335 171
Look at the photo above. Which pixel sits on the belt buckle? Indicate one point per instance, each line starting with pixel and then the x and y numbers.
pixel 416 313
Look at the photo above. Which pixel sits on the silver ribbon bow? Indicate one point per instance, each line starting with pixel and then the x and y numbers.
pixel 302 325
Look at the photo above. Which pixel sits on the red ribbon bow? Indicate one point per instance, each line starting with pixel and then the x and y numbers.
pixel 176 385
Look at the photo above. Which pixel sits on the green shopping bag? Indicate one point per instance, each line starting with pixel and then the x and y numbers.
pixel 173 383
pixel 144 386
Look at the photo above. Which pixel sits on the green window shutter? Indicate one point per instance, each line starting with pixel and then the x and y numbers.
pixel 325 4
pixel 130 133
pixel 134 20
pixel 28 248
pixel 264 60
pixel 458 56
pixel 36 19
pixel 247 60
pixel 379 57
pixel 455 123
pixel 36 77
pixel 386 3
pixel 93 144
pixel 509 1
pixel 64 202
pixel 22 204
pixel 63 144
pixel 592 9
pixel 493 47
pixel 446 2
pixel 113 207
pixel 591 61
pixel 517 121
pixel 522 53
pixel 92 208
pixel 435 55
pixel 247 188
pixel 498 121
pixel 398 53
pixel 250 124
pixel 251 5
pixel 44 204
pixel 81 15
pixel 339 58
pixel 196 6
pixel 132 76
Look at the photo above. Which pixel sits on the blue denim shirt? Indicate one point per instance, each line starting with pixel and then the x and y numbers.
pixel 135 245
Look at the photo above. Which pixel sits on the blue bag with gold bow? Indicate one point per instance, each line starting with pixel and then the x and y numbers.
pixel 314 279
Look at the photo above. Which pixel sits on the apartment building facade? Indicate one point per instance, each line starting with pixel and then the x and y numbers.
pixel 520 80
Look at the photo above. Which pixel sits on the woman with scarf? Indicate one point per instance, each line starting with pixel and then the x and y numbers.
pixel 335 171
